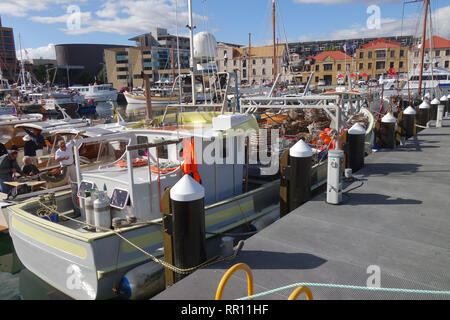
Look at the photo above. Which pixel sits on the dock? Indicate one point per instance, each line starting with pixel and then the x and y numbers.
pixel 395 218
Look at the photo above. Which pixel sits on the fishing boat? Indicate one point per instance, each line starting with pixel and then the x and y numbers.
pixel 157 100
pixel 97 93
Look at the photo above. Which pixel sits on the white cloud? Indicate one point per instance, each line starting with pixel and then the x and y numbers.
pixel 128 17
pixel 20 8
pixel 392 27
pixel 46 52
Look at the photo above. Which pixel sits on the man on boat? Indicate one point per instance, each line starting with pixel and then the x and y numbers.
pixel 29 169
pixel 8 167
pixel 3 149
pixel 33 141
pixel 64 155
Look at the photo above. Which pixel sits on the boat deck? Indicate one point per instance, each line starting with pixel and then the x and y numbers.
pixel 396 217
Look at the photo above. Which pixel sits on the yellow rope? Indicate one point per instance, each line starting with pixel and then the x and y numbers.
pixel 169 266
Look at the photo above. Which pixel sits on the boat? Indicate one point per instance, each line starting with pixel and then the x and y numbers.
pixel 156 100
pixel 97 93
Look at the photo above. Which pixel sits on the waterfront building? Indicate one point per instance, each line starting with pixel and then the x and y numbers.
pixel 8 62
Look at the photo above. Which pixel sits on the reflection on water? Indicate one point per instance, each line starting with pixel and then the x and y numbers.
pixel 18 283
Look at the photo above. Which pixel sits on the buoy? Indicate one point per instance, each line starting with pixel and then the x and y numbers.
pixel 102 212
pixel 356 142
pixel 142 282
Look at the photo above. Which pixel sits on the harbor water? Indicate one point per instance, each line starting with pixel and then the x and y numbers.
pixel 18 283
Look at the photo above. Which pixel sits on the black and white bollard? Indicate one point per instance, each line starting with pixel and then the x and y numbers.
pixel 440 116
pixel 409 121
pixel 445 102
pixel 188 224
pixel 434 108
pixel 356 143
pixel 387 130
pixel 423 116
pixel 299 178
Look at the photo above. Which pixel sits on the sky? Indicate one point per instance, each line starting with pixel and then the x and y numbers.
pixel 44 23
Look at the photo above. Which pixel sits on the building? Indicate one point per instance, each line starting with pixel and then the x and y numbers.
pixel 76 58
pixel 328 66
pixel 378 57
pixel 40 62
pixel 441 52
pixel 305 49
pixel 155 53
pixel 8 62
pixel 254 65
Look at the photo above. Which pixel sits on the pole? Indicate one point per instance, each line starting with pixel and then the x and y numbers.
pixel 249 57
pixel 192 59
pixel 275 67
pixel 423 45
pixel 148 96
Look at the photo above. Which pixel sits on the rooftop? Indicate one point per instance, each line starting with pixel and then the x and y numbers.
pixel 437 42
pixel 336 55
pixel 381 44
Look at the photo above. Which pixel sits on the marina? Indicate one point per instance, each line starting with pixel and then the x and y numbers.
pixel 187 168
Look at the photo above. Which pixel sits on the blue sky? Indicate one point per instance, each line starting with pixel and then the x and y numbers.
pixel 43 23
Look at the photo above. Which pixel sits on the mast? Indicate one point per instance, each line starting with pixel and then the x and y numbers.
pixel 274 44
pixel 192 59
pixel 249 57
pixel 427 3
pixel 22 67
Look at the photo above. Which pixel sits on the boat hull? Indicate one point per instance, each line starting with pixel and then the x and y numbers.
pixel 156 101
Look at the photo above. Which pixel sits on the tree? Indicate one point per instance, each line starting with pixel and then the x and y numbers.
pixel 100 76
pixel 82 78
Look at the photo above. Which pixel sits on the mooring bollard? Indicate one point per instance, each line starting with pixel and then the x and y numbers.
pixel 440 116
pixel 423 116
pixel 433 109
pixel 387 131
pixel 188 224
pixel 448 106
pixel 444 101
pixel 356 143
pixel 409 121
pixel 299 174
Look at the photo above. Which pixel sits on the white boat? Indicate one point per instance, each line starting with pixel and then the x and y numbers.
pixel 157 101
pixel 434 79
pixel 97 93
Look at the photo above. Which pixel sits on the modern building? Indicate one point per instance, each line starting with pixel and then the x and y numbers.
pixel 8 62
pixel 379 57
pixel 305 49
pixel 440 52
pixel 253 65
pixel 76 58
pixel 158 54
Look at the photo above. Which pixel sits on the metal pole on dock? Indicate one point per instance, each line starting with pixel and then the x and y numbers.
pixel 387 131
pixel 356 143
pixel 409 121
pixel 423 116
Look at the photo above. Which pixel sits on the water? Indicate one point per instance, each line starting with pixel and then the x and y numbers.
pixel 18 283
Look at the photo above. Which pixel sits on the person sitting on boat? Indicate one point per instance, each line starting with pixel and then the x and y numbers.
pixel 29 169
pixel 8 167
pixel 3 149
pixel 34 140
pixel 64 155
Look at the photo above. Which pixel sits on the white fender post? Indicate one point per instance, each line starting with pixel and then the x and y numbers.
pixel 388 123
pixel 299 174
pixel 187 199
pixel 356 146
pixel 409 121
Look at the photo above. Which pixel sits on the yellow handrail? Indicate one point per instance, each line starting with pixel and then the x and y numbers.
pixel 297 292
pixel 229 273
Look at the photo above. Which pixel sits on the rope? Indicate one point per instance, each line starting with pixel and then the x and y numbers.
pixel 342 286
pixel 165 264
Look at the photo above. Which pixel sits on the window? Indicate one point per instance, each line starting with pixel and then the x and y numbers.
pixel 122 69
pixel 263 61
pixel 400 64
pixel 447 53
pixel 361 66
pixel 391 65
pixel 380 65
pixel 361 55
pixel 438 53
pixel 369 66
pixel 381 53
pixel 317 79
pixel 244 73
pixel 327 67
pixel 339 67
pixel 392 54
pixel 254 72
pixel 121 77
pixel 234 63
pixel 317 67
pixel 370 55
pixel 264 71
pixel 446 64
pixel 402 53
pixel 254 61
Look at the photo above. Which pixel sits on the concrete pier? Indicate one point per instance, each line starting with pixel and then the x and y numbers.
pixel 395 217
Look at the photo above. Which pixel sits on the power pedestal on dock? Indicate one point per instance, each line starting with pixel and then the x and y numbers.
pixel 334 181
